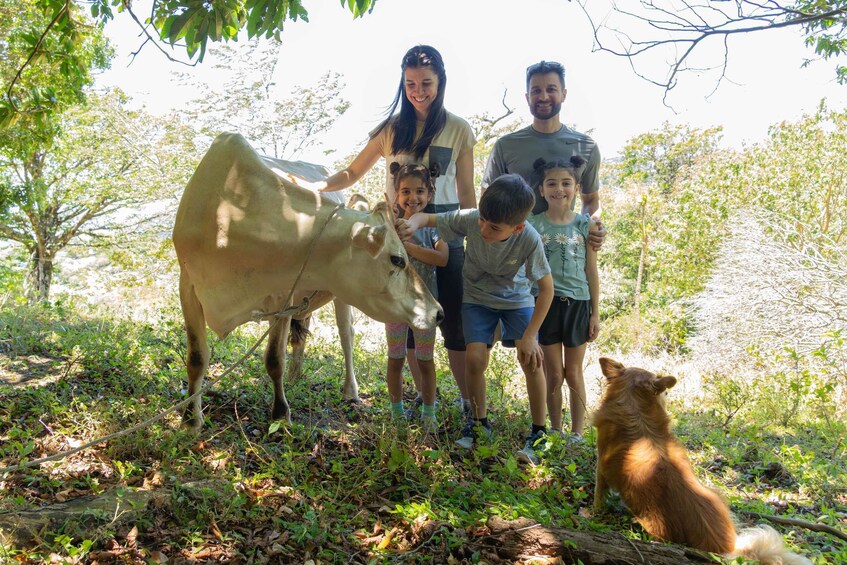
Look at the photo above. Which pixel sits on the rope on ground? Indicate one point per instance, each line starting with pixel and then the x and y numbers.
pixel 275 316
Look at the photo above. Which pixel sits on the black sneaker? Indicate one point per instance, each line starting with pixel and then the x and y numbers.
pixel 472 433
pixel 533 448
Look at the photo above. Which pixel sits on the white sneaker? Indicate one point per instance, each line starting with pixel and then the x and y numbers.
pixel 471 433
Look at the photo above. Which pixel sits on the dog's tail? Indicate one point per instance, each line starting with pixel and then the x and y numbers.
pixel 765 544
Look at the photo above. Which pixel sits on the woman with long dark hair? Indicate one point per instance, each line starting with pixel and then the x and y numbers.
pixel 424 132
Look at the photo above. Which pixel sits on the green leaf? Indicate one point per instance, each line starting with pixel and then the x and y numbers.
pixel 176 24
pixel 219 24
pixel 255 18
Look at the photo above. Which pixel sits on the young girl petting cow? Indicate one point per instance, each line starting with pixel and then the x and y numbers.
pixel 414 187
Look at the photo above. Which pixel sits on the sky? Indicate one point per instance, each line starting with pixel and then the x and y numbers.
pixel 486 46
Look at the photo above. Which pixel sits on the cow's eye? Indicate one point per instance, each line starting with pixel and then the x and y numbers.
pixel 398 261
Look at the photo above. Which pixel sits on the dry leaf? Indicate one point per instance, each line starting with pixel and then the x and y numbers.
pixel 73 443
pixel 158 557
pixel 213 526
pixel 387 539
pixel 132 536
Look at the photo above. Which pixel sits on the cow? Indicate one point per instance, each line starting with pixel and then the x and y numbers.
pixel 245 236
pixel 343 311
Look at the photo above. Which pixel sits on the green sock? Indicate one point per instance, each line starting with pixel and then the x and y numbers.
pixel 397 409
pixel 428 411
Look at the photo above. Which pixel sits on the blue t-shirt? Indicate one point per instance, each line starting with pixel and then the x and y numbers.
pixel 497 275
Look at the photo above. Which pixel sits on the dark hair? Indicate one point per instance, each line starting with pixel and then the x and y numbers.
pixel 576 165
pixel 428 176
pixel 544 67
pixel 507 200
pixel 404 126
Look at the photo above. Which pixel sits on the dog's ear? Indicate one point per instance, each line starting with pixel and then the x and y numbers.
pixel 662 384
pixel 611 368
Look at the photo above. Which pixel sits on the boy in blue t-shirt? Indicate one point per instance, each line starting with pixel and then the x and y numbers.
pixel 503 257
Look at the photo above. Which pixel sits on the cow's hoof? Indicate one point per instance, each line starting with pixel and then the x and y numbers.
pixel 191 423
pixel 281 413
pixel 354 401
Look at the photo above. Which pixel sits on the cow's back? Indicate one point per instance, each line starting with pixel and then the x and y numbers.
pixel 241 231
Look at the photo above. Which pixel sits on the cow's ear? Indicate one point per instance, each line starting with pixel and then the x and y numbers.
pixel 369 238
pixel 611 368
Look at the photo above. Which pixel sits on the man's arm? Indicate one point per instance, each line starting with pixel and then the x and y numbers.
pixel 593 278
pixel 591 204
pixel 591 207
pixel 494 166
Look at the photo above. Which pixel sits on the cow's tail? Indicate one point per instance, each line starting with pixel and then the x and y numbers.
pixel 764 544
pixel 298 333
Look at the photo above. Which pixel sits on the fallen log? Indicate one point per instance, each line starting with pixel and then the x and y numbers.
pixel 525 540
pixel 80 514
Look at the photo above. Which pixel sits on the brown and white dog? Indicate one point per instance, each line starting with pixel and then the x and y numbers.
pixel 638 456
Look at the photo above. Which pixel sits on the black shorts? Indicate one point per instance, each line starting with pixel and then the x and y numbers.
pixel 566 322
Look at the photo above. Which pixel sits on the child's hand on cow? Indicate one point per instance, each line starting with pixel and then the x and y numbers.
pixel 404 229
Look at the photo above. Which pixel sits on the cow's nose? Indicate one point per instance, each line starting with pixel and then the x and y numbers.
pixel 439 316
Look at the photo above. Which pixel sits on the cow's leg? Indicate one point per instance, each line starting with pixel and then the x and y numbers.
pixel 197 351
pixel 344 321
pixel 275 365
pixel 298 349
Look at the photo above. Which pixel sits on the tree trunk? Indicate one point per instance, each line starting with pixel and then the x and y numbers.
pixel 524 539
pixel 40 277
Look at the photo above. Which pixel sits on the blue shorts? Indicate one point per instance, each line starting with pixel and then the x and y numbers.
pixel 479 323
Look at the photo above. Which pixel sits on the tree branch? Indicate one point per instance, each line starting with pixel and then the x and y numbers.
pixel 63 11
pixel 689 26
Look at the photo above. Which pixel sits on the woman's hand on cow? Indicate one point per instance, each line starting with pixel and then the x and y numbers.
pixel 317 186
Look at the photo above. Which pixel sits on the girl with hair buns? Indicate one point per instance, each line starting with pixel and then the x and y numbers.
pixel 414 188
pixel 573 319
pixel 423 131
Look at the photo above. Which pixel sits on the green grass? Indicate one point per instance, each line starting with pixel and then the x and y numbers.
pixel 342 483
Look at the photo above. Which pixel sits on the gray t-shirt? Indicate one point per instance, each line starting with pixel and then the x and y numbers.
pixel 497 275
pixel 427 238
pixel 517 151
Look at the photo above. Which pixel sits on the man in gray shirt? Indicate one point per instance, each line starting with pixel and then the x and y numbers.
pixel 549 139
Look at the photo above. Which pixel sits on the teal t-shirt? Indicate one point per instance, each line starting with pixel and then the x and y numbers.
pixel 564 247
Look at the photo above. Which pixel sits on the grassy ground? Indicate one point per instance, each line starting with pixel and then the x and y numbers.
pixel 343 483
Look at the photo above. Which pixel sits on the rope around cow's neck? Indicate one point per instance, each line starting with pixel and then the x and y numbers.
pixel 274 318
